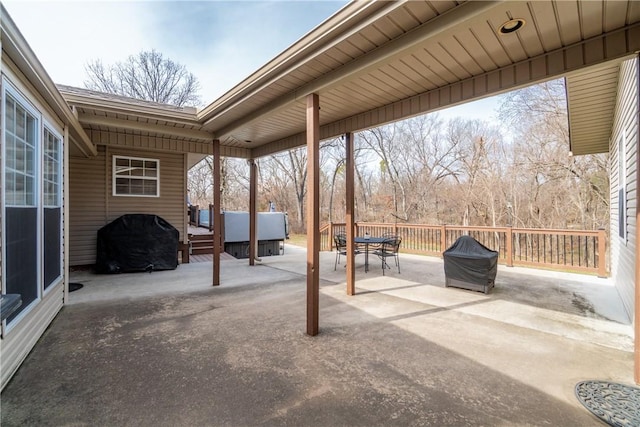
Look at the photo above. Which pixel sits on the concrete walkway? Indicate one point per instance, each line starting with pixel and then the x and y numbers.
pixel 167 349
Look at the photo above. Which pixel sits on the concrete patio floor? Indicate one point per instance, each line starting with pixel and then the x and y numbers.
pixel 167 349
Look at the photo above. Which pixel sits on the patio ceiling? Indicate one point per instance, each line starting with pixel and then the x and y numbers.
pixel 591 97
pixel 373 63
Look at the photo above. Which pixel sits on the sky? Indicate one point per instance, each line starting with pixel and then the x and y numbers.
pixel 220 42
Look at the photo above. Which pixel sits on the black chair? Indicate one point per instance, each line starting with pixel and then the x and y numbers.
pixel 340 242
pixel 390 247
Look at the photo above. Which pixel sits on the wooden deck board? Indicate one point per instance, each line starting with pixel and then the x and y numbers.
pixel 209 257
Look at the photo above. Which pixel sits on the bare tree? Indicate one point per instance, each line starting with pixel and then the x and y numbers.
pixel 562 190
pixel 147 75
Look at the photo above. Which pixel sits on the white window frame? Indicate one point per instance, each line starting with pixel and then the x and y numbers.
pixel 8 87
pixel 622 187
pixel 49 128
pixel 156 179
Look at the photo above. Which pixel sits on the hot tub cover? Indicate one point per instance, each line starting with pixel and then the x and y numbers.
pixel 137 242
pixel 469 261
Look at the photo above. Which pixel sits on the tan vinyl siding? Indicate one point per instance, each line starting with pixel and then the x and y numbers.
pixel 625 123
pixel 19 341
pixel 93 205
pixel 87 206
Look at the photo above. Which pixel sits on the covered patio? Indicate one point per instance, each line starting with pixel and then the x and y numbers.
pixel 168 349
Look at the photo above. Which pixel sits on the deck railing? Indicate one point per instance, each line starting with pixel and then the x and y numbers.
pixel 194 215
pixel 568 250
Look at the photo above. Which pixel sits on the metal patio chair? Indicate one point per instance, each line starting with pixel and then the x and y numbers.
pixel 340 242
pixel 389 248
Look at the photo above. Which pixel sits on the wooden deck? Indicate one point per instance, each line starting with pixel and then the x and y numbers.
pixel 209 257
pixel 199 230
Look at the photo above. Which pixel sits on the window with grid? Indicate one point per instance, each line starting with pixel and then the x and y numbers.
pixel 52 206
pixel 135 176
pixel 21 215
pixel 20 170
pixel 51 174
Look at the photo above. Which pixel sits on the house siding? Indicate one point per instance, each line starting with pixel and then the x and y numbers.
pixel 20 337
pixel 625 128
pixel 93 204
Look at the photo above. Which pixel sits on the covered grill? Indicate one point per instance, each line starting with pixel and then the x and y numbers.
pixel 137 242
pixel 468 264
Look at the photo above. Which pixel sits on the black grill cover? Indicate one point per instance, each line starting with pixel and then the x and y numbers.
pixel 469 261
pixel 137 242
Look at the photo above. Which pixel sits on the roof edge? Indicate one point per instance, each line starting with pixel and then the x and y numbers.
pixel 131 106
pixel 338 23
pixel 16 47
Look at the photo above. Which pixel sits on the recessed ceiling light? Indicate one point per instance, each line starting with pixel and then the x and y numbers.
pixel 511 26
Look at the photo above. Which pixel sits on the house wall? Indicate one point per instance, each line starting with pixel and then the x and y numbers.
pixel 92 204
pixel 625 131
pixel 18 338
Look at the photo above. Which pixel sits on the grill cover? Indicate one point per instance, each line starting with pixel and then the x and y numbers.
pixel 470 265
pixel 137 242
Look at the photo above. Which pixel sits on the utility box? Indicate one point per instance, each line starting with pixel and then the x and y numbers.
pixel 272 231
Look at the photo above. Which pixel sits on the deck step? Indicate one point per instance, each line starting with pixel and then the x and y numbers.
pixel 200 237
pixel 199 243
pixel 202 250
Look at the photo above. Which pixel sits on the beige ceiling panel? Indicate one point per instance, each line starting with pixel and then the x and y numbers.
pixel 309 72
pixel 338 55
pixel 415 63
pixel 388 28
pixel 435 58
pixel 587 78
pixel 591 96
pixel 510 42
pixel 615 14
pixel 320 67
pixel 602 89
pixel 528 34
pixel 633 11
pixel 403 19
pixel 333 107
pixel 392 83
pixel 443 6
pixel 276 89
pixel 448 60
pixel 328 62
pixel 381 93
pixel 421 10
pixel 375 36
pixel 461 56
pixel 351 96
pixel 350 49
pixel 304 73
pixel 544 19
pixel 592 17
pixel 344 99
pixel 292 80
pixel 407 75
pixel 470 44
pixel 570 31
pixel 487 37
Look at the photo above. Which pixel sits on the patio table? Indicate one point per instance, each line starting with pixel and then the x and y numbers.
pixel 366 241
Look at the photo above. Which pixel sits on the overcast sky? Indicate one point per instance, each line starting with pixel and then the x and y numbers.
pixel 221 42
